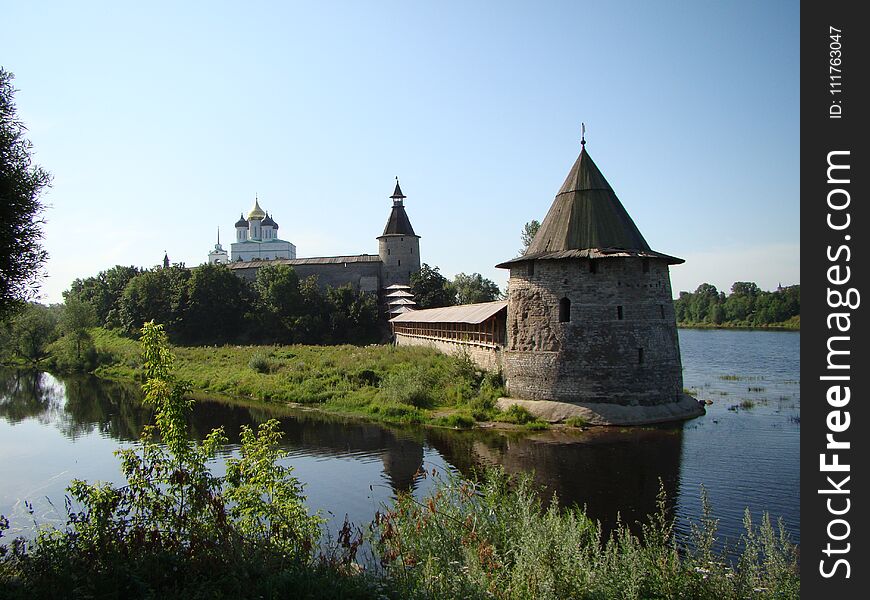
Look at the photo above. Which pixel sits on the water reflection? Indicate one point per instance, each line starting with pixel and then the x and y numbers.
pixel 28 394
pixel 614 474
pixel 744 451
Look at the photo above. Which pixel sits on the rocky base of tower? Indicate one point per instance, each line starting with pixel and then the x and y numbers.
pixel 601 413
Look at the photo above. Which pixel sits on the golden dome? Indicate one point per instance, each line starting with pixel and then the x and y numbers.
pixel 256 212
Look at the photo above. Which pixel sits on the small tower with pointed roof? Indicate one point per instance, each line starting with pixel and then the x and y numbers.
pixel 398 246
pixel 218 255
pixel 590 314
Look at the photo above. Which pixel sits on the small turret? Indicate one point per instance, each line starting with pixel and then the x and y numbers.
pixel 398 246
pixel 241 229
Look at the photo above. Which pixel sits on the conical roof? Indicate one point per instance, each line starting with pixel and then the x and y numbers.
pixel 397 193
pixel 587 214
pixel 587 220
pixel 398 223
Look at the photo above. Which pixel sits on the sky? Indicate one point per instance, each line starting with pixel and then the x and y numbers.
pixel 161 121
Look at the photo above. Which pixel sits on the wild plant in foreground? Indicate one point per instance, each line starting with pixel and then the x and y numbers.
pixel 174 525
pixel 496 539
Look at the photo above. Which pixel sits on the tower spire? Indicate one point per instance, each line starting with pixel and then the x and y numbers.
pixel 583 135
pixel 398 196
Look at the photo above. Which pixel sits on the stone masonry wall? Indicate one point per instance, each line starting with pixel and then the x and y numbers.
pixel 400 255
pixel 596 356
pixel 332 275
pixel 485 357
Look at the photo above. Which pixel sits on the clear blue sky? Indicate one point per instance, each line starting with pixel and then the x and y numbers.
pixel 160 122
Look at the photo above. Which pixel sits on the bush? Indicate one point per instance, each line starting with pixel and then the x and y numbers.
pixel 412 386
pixel 261 363
pixel 576 421
pixel 174 526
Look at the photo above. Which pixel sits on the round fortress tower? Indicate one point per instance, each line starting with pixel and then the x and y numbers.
pixel 590 314
pixel 398 246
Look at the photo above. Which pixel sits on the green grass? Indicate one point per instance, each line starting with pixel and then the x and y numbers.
pixel 383 383
pixel 576 422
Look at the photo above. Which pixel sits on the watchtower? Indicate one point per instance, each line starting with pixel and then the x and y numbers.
pixel 398 246
pixel 590 313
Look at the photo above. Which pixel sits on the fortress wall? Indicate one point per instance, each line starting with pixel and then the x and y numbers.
pixel 596 356
pixel 485 357
pixel 358 275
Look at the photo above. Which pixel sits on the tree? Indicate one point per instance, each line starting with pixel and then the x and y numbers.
pixel 474 288
pixel 103 292
pixel 75 320
pixel 159 295
pixel 21 183
pixel 530 230
pixel 33 328
pixel 353 316
pixel 216 304
pixel 431 289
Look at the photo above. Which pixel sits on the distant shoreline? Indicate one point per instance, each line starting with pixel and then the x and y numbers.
pixel 776 327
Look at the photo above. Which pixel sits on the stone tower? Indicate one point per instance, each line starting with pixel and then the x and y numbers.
pixel 590 312
pixel 398 246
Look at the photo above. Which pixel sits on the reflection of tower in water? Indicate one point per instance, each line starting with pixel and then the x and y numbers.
pixel 402 459
pixel 614 474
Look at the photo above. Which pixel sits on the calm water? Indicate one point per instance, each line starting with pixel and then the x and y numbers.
pixel 744 450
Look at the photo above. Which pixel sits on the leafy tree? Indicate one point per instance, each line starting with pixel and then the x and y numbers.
pixel 431 289
pixel 32 329
pixel 157 294
pixel 353 316
pixel 280 301
pixel 104 292
pixel 474 288
pixel 747 305
pixel 21 183
pixel 217 301
pixel 75 320
pixel 530 230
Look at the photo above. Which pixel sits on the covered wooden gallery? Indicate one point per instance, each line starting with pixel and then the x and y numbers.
pixel 481 324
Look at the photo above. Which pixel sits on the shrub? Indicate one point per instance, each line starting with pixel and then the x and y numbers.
pixel 174 526
pixel 576 421
pixel 516 414
pixel 456 420
pixel 413 386
pixel 261 363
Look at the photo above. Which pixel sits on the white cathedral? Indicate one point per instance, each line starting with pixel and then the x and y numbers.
pixel 256 239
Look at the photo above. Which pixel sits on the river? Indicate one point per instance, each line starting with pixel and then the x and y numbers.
pixel 745 450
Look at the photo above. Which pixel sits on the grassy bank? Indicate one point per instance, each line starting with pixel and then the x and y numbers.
pixel 793 324
pixel 384 383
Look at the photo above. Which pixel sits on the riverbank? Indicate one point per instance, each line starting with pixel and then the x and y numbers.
pixel 793 324
pixel 398 385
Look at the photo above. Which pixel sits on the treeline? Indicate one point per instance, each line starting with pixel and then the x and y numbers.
pixel 204 305
pixel 209 304
pixel 432 290
pixel 746 306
